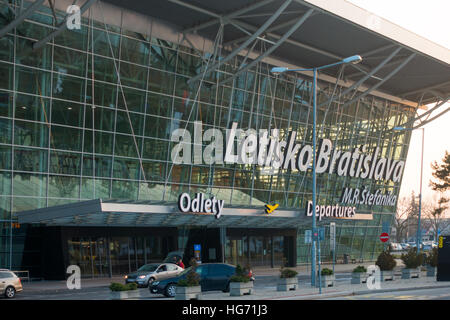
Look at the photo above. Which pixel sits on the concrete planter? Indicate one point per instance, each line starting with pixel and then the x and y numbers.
pixel 130 294
pixel 411 273
pixel 359 277
pixel 188 293
pixel 241 288
pixel 287 284
pixel 431 271
pixel 387 275
pixel 327 281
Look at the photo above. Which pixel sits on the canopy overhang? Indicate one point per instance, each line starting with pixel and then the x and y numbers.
pixel 112 213
pixel 336 29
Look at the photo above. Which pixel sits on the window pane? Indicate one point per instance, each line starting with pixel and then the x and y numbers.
pixel 65 163
pixel 67 113
pixel 30 134
pixel 63 187
pixel 30 160
pixel 66 138
pixel 32 108
pixel 27 184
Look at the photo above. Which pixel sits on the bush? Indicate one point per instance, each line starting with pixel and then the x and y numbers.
pixel 288 273
pixel 122 287
pixel 240 275
pixel 326 272
pixel 411 259
pixel 192 277
pixel 360 269
pixel 386 261
pixel 432 258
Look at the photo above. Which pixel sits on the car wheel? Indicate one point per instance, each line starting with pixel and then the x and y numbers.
pixel 170 290
pixel 150 281
pixel 227 289
pixel 10 292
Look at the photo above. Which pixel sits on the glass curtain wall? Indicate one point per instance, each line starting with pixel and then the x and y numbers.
pixel 91 113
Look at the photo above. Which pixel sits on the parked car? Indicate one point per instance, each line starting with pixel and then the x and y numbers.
pixel 405 246
pixel 151 272
pixel 396 246
pixel 10 284
pixel 213 276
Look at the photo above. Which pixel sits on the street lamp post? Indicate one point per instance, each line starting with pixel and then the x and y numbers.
pixel 419 229
pixel 277 70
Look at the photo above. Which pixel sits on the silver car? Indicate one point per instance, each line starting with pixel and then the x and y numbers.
pixel 9 283
pixel 151 272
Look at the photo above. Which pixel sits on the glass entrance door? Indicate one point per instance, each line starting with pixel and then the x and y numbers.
pixel 260 251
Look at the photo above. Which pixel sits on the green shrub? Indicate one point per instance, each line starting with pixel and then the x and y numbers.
pixel 326 272
pixel 386 261
pixel 122 287
pixel 192 277
pixel 411 259
pixel 288 273
pixel 360 269
pixel 240 275
pixel 432 258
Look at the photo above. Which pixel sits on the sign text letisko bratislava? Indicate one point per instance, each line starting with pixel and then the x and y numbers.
pixel 266 150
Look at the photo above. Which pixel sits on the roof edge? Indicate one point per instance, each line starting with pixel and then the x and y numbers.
pixel 382 26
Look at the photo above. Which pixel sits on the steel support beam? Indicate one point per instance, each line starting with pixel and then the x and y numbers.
pixel 301 45
pixel 61 27
pixel 245 44
pixel 406 124
pixel 429 120
pixel 388 65
pixel 226 17
pixel 374 51
pixel 271 49
pixel 386 78
pixel 362 80
pixel 195 8
pixel 28 12
pixel 434 86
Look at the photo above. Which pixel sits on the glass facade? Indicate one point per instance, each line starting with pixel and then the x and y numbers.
pixel 90 114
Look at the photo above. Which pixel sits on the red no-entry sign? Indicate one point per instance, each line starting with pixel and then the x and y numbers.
pixel 384 237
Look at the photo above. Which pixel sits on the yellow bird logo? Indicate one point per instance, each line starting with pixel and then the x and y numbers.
pixel 270 209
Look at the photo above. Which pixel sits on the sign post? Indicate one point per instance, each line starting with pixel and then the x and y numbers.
pixel 333 241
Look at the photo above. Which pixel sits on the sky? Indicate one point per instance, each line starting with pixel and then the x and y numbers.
pixel 429 19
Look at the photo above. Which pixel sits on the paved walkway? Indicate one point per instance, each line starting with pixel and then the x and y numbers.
pixel 306 292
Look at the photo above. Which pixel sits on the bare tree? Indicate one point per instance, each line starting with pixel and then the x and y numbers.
pixel 406 217
pixel 435 215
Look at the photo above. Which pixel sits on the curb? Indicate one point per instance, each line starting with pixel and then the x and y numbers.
pixel 358 293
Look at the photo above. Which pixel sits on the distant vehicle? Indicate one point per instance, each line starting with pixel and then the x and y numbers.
pixel 405 246
pixel 174 257
pixel 434 245
pixel 396 246
pixel 213 276
pixel 10 284
pixel 151 272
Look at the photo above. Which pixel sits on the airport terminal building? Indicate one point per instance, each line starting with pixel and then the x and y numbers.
pixel 122 137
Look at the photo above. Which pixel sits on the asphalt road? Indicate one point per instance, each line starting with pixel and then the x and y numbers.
pixel 422 294
pixel 103 293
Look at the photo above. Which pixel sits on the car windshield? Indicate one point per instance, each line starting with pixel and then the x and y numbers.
pixel 148 267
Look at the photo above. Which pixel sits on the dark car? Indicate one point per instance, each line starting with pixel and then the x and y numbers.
pixel 213 276
pixel 150 272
